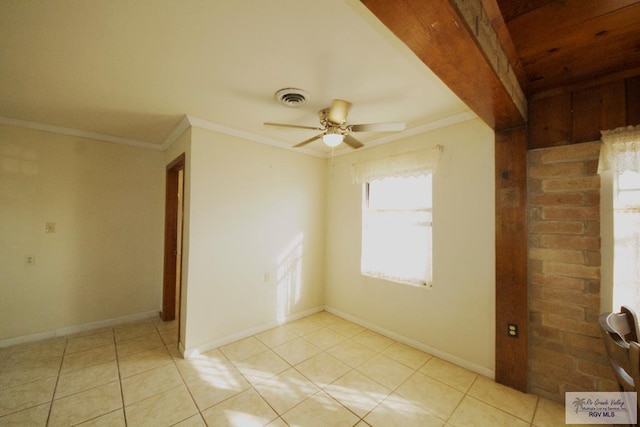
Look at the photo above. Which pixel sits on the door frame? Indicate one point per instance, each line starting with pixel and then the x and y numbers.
pixel 171 238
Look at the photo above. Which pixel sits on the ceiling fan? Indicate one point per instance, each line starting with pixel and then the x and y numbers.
pixel 335 129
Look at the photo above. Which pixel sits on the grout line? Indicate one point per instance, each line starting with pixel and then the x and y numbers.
pixel 55 387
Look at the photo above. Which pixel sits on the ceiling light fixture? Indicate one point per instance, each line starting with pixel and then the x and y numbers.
pixel 333 137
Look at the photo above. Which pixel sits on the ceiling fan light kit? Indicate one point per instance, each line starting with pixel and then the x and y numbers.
pixel 334 127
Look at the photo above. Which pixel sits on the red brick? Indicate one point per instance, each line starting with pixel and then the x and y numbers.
pixel 561 322
pixel 557 255
pixel 571 270
pixel 546 334
pixel 563 375
pixel 557 169
pixel 570 242
pixel 572 312
pixel 596 370
pixel 552 358
pixel 572 152
pixel 584 342
pixel 556 227
pixel 554 199
pixel 592 228
pixel 592 198
pixel 570 283
pixel 572 184
pixel 593 258
pixel 570 297
pixel 571 213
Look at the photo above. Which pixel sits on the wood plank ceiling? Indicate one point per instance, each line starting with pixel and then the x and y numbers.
pixel 558 43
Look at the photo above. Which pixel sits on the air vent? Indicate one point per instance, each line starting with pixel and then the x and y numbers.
pixel 292 97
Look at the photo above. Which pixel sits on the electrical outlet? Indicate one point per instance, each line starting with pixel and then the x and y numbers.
pixel 512 330
pixel 29 260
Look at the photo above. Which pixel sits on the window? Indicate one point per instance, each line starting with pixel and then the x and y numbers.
pixel 397 216
pixel 620 159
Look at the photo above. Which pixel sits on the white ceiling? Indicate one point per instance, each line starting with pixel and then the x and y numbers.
pixel 134 69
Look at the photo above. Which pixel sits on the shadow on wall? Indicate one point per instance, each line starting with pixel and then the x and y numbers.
pixel 289 277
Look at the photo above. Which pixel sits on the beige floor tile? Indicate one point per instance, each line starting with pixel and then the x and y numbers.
pixel 86 405
pixel 373 340
pixel 325 338
pixel 243 349
pixel 36 416
pixel 357 392
pixel 450 374
pixel 262 366
pixel 87 342
pixel 245 409
pixel 91 357
pixel 406 355
pixel 166 326
pixel 90 332
pixel 215 387
pixel 516 403
pixel 27 395
pixel 276 336
pixel 296 351
pixel 351 353
pixel 206 368
pixel 325 317
pixel 278 422
pixel 73 382
pixel 323 369
pixel 286 390
pixel 112 419
pixel 431 395
pixel 473 412
pixel 320 410
pixel 139 344
pixel 164 409
pixel 346 328
pixel 19 371
pixel 134 330
pixel 146 384
pixel 195 421
pixel 303 326
pixel 43 349
pixel 396 411
pixel 144 361
pixel 386 371
pixel 549 414
pixel 362 424
pixel 169 337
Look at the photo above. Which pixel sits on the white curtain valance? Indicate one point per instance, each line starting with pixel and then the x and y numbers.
pixel 411 163
pixel 620 150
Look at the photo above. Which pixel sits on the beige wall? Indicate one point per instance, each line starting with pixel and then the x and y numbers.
pixel 455 319
pixel 105 259
pixel 254 210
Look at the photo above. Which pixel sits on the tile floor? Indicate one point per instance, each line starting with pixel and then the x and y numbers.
pixel 321 370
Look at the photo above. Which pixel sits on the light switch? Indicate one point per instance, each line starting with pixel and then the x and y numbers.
pixel 50 227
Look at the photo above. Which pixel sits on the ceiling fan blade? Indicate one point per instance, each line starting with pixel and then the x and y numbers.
pixel 292 126
pixel 338 111
pixel 378 127
pixel 306 141
pixel 352 142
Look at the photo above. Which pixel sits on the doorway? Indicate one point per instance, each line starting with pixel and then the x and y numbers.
pixel 173 225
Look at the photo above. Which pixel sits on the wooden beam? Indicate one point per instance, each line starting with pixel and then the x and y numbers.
pixel 439 35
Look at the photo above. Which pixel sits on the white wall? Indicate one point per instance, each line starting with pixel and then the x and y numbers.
pixel 105 259
pixel 456 317
pixel 253 209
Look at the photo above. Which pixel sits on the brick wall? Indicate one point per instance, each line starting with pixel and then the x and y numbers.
pixel 565 349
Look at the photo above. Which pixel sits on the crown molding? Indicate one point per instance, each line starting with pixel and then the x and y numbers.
pixel 189 121
pixel 205 124
pixel 76 132
pixel 447 121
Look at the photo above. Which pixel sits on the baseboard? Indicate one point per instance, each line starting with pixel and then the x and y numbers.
pixel 195 351
pixel 78 328
pixel 490 373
